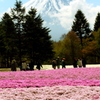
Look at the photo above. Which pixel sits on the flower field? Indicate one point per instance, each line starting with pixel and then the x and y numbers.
pixel 58 84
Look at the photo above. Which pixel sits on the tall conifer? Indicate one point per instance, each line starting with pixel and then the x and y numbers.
pixel 97 22
pixel 81 26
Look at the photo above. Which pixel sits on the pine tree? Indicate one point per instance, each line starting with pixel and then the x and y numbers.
pixel 97 22
pixel 2 44
pixel 36 37
pixel 18 18
pixel 9 37
pixel 81 26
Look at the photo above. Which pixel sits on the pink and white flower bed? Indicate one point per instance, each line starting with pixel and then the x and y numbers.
pixel 59 84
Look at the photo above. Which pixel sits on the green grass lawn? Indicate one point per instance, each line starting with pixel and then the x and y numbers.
pixel 7 69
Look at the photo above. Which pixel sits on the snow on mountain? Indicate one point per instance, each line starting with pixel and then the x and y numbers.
pixel 58 15
pixel 48 9
pixel 46 6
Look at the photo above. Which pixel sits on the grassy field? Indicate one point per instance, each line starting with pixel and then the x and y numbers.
pixel 6 69
pixel 48 67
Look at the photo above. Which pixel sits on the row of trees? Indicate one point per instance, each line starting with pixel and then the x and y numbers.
pixel 23 37
pixel 81 41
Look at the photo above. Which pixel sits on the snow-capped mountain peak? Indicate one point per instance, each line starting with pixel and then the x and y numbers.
pixel 49 11
pixel 47 6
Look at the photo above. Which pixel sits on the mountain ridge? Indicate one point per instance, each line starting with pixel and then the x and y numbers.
pixel 46 5
pixel 48 9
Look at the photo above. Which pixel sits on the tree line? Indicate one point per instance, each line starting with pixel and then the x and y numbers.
pixel 23 37
pixel 80 41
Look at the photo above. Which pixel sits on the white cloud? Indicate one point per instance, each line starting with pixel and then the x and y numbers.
pixel 67 13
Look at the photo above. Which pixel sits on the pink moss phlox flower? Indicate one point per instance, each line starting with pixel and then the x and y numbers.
pixel 68 76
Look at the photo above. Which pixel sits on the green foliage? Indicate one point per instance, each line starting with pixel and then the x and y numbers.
pixel 9 38
pixel 81 26
pixel 92 46
pixel 68 47
pixel 2 44
pixel 36 37
pixel 97 38
pixel 18 18
pixel 9 35
pixel 97 22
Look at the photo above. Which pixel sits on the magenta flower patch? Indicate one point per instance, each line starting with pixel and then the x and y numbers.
pixel 58 77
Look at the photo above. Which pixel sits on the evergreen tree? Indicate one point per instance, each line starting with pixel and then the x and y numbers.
pixel 2 44
pixel 36 37
pixel 97 22
pixel 81 26
pixel 9 37
pixel 18 18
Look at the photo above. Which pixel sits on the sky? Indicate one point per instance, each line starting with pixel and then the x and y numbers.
pixel 6 4
pixel 94 2
pixel 89 7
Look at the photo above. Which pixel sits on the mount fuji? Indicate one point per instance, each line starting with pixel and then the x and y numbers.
pixel 50 11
